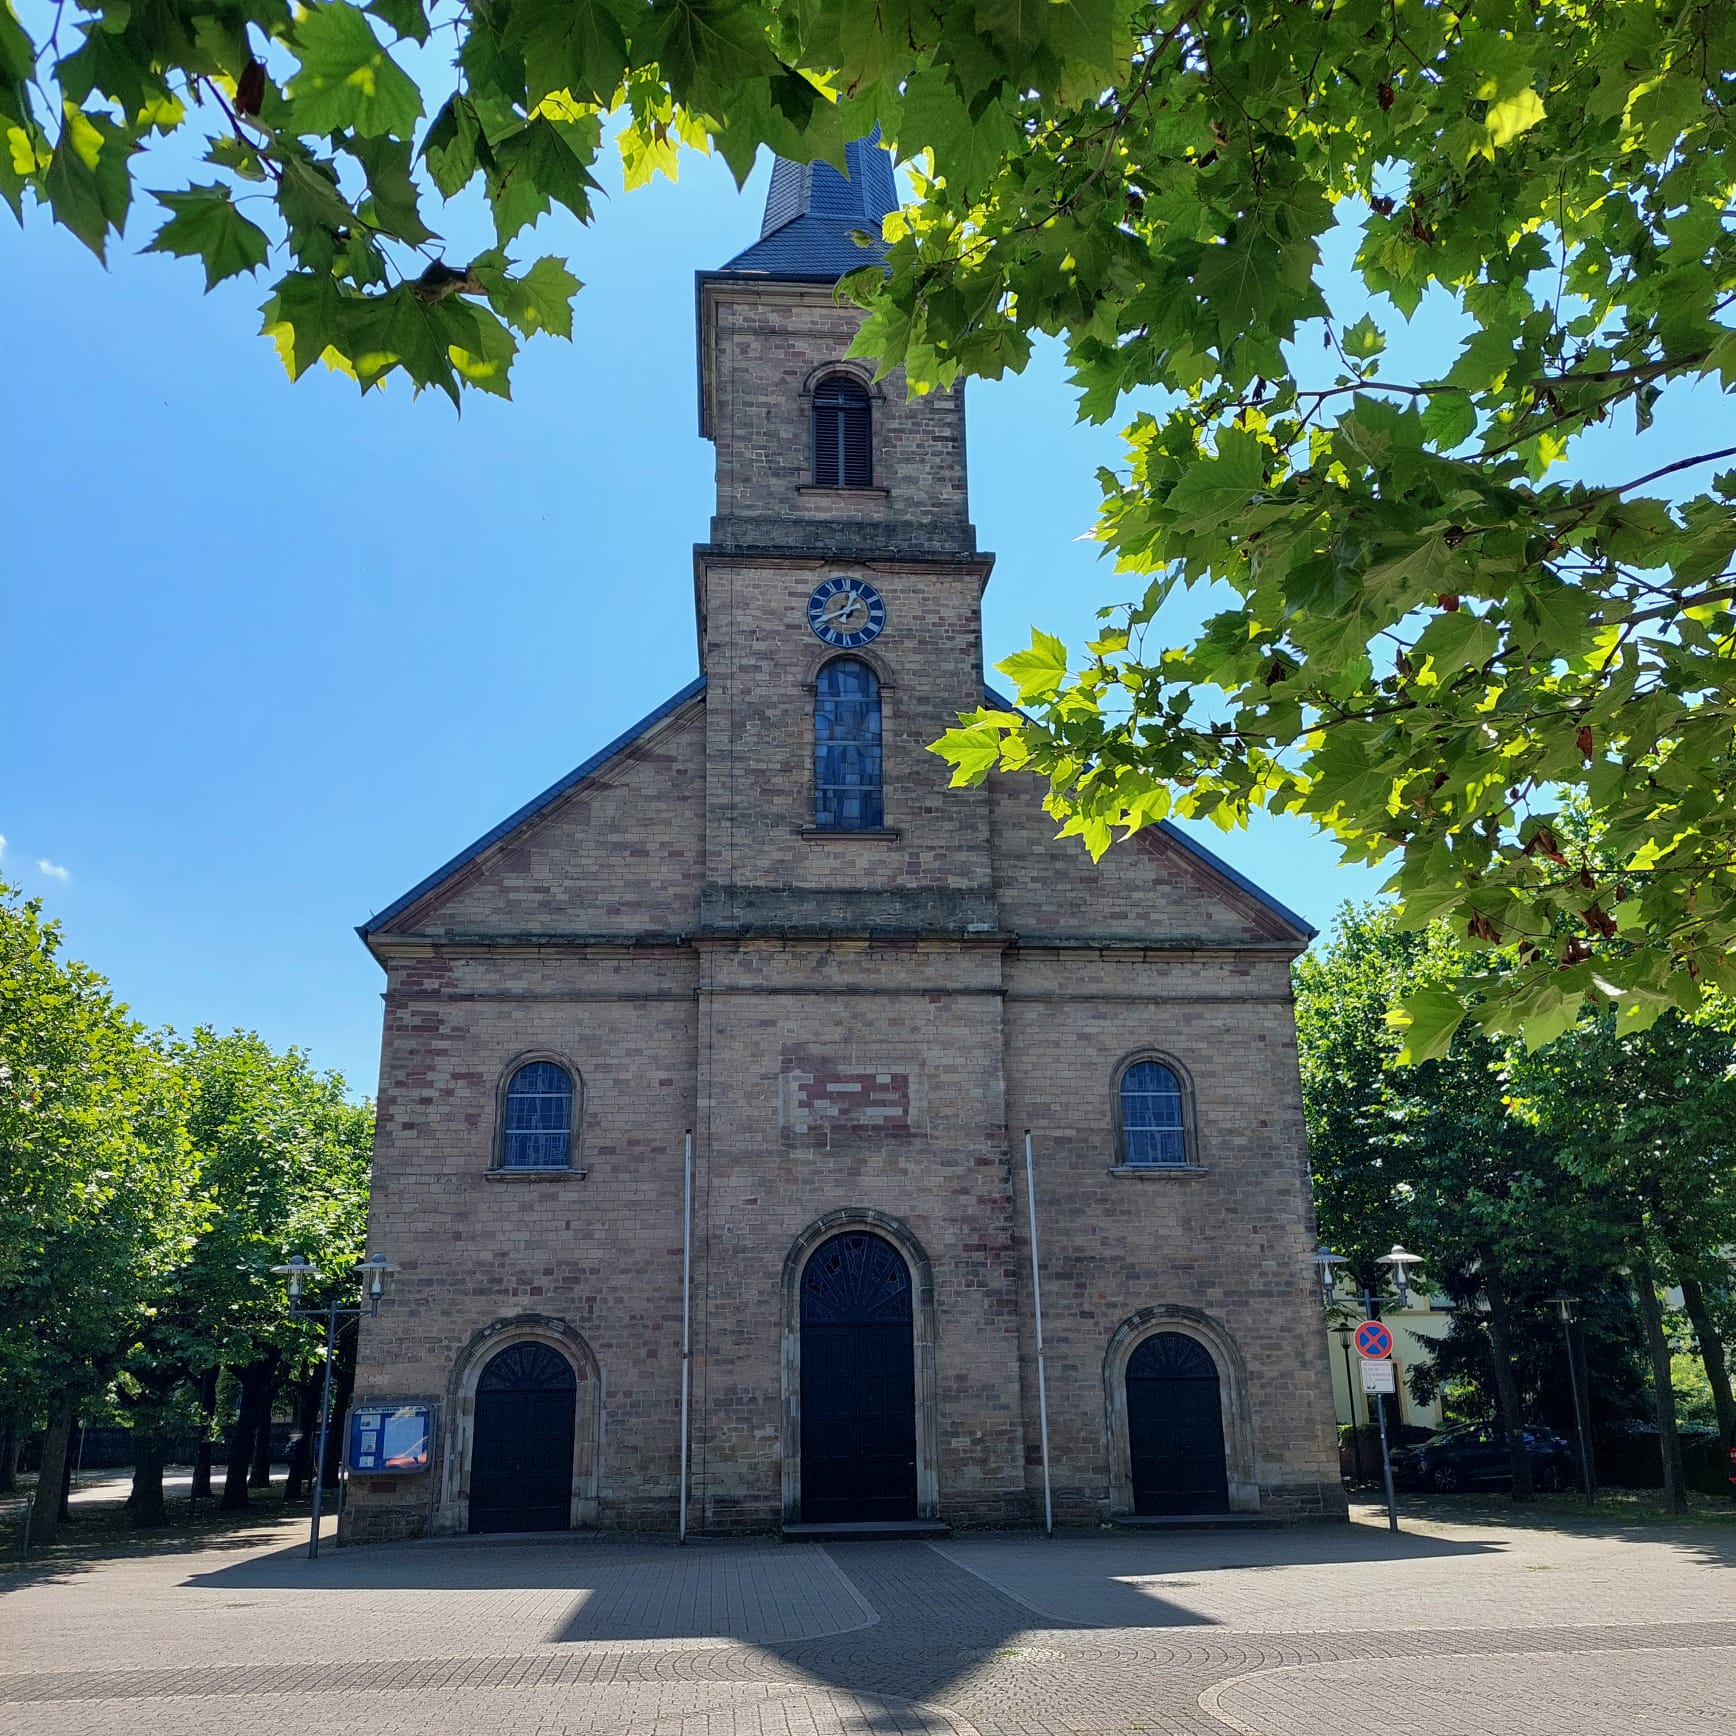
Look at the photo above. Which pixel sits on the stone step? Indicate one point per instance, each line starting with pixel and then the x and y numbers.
pixel 867 1530
pixel 1200 1521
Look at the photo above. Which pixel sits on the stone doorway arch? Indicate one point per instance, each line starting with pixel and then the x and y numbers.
pixel 457 1462
pixel 890 1231
pixel 1241 1480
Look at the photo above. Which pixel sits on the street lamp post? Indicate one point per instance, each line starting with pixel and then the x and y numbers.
pixel 1344 1337
pixel 1564 1311
pixel 374 1271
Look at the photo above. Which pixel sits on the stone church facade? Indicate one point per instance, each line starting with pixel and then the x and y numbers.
pixel 759 928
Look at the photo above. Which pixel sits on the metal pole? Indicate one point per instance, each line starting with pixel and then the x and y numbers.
pixel 1585 1482
pixel 686 1316
pixel 1037 1309
pixel 1371 1308
pixel 1386 1465
pixel 325 1417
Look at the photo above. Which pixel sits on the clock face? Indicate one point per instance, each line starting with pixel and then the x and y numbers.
pixel 846 612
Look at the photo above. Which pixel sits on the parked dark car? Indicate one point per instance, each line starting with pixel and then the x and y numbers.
pixel 1476 1457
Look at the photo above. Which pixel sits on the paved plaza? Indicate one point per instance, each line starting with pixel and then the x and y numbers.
pixel 1450 1629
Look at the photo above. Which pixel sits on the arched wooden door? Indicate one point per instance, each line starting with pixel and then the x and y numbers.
pixel 858 1392
pixel 521 1455
pixel 1175 1427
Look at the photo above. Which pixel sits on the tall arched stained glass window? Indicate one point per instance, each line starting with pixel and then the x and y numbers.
pixel 1153 1127
pixel 539 1118
pixel 848 795
pixel 843 448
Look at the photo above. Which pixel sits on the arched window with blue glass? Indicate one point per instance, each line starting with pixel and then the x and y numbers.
pixel 1152 1113
pixel 537 1127
pixel 848 789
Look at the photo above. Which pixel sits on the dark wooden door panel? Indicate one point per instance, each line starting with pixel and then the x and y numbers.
pixel 858 1422
pixel 1175 1432
pixel 521 1459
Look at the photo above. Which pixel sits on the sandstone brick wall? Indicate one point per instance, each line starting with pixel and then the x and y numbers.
pixel 771 344
pixel 931 1015
pixel 623 852
pixel 1231 1239
pixel 857 1029
pixel 761 663
pixel 602 1252
pixel 1147 889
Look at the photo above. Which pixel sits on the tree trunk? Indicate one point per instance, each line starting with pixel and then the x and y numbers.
pixel 254 1413
pixel 45 1508
pixel 145 1504
pixel 301 1449
pixel 1506 1387
pixel 8 1454
pixel 259 1472
pixel 1663 1393
pixel 201 1490
pixel 1711 1345
pixel 74 1458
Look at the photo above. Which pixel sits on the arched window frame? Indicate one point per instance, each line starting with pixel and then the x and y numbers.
pixel 829 817
pixel 1124 1160
pixel 503 1163
pixel 841 431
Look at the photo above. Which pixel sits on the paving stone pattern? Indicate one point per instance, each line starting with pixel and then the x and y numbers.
pixel 1449 1629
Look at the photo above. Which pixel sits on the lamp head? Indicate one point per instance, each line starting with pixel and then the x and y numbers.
pixel 1400 1262
pixel 374 1271
pixel 1325 1259
pixel 296 1273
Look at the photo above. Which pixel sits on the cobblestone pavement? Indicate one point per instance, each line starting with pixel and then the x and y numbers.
pixel 1450 1629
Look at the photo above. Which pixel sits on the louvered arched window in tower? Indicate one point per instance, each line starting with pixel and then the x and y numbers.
pixel 843 448
pixel 848 795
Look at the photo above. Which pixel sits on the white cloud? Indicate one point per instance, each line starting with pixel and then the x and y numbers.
pixel 53 870
pixel 2 846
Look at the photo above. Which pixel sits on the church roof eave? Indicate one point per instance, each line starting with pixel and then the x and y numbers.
pixel 1206 858
pixel 381 920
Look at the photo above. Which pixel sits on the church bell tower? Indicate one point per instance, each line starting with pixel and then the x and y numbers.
pixel 838 595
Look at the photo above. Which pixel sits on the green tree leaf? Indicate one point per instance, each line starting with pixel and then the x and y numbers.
pixel 347 81
pixel 206 226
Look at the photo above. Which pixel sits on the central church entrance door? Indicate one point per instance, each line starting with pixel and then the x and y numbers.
pixel 858 1391
pixel 1175 1427
pixel 521 1459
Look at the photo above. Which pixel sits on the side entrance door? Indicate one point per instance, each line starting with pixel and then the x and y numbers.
pixel 858 1383
pixel 521 1458
pixel 1175 1427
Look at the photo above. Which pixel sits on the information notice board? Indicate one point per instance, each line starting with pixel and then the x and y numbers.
pixel 391 1440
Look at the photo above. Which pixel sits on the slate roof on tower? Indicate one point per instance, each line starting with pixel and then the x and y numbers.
pixel 813 214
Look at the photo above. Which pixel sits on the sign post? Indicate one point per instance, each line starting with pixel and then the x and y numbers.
pixel 1374 1346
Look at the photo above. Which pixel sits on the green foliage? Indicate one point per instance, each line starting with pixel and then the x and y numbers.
pixel 1527 1173
pixel 1429 637
pixel 283 1168
pixel 147 1187
pixel 98 1188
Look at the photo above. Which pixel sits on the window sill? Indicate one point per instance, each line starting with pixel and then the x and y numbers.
pixel 1144 1169
pixel 847 832
pixel 829 488
pixel 535 1174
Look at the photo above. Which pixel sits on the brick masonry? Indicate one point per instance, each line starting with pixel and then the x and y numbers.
pixel 857 1030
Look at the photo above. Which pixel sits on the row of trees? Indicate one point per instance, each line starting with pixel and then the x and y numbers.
pixel 1602 1166
pixel 148 1183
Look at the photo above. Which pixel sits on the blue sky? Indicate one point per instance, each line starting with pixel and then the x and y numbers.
pixel 272 653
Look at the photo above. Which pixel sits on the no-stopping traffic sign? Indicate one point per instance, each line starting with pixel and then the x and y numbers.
pixel 1373 1340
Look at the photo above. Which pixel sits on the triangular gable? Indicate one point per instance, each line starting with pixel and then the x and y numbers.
pixel 1213 875
pixel 444 876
